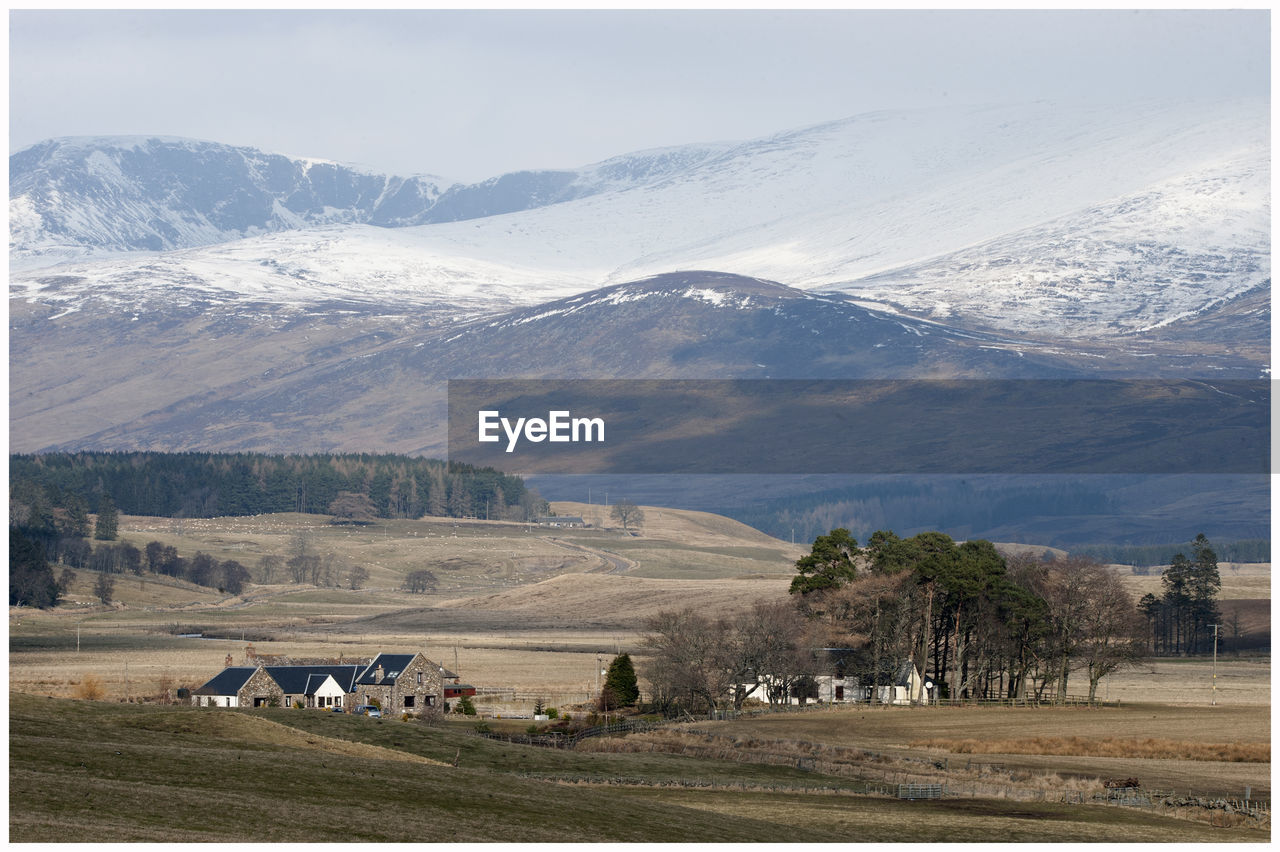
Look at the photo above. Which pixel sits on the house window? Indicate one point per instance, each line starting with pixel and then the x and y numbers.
pixel 419 678
pixel 408 701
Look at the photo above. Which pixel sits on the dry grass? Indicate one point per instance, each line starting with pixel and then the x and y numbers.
pixel 684 527
pixel 604 598
pixel 898 730
pixel 1149 747
pixel 254 730
pixel 952 821
pixel 1240 580
pixel 1240 681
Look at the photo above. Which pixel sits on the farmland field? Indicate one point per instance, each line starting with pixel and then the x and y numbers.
pixel 527 613
pixel 285 775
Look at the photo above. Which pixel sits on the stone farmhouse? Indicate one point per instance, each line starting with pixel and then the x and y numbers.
pixel 397 683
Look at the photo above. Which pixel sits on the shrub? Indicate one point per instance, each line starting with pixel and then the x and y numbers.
pixel 553 713
pixel 90 688
pixel 465 707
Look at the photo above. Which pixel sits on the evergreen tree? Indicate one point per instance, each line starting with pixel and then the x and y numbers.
pixel 31 580
pixel 104 529
pixel 1203 587
pixel 77 516
pixel 829 565
pixel 621 680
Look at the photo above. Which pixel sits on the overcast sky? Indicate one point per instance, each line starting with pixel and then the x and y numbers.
pixel 469 95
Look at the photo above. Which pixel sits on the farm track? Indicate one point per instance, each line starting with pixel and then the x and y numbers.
pixel 612 563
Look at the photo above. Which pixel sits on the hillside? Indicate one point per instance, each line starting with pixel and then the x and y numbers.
pixel 619 602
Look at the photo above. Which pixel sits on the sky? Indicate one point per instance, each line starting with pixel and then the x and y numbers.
pixel 468 95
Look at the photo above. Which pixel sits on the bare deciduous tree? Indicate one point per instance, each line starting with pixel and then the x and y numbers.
pixel 268 564
pixel 420 581
pixel 357 576
pixel 627 513
pixel 104 588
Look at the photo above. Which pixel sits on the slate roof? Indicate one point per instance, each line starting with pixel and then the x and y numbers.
pixel 392 665
pixel 905 672
pixel 227 682
pixel 297 680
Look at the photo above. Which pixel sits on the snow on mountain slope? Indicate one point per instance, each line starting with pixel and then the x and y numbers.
pixel 1095 219
pixel 360 266
pixel 90 195
pixel 833 203
pixel 1131 264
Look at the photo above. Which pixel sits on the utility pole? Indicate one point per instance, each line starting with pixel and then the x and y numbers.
pixel 1214 699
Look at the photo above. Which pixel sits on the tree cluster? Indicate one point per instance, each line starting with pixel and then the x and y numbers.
pixel 44 533
pixel 980 625
pixel 699 663
pixel 227 576
pixel 976 624
pixel 202 485
pixel 1181 620
pixel 420 582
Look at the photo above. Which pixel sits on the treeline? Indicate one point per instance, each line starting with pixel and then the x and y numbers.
pixel 1149 556
pixel 955 504
pixel 203 485
pixel 974 622
pixel 44 537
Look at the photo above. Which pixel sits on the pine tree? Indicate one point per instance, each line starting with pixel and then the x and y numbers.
pixel 104 529
pixel 1205 582
pixel 829 565
pixel 621 681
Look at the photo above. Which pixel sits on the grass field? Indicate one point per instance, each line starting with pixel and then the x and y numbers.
pixel 1085 737
pixel 534 613
pixel 148 773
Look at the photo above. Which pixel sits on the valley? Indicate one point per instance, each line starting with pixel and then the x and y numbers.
pixel 527 614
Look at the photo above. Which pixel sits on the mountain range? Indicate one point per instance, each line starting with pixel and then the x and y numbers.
pixel 175 294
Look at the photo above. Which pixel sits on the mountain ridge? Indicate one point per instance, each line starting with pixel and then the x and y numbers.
pixel 1073 222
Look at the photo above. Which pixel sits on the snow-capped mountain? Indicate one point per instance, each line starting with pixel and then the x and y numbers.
pixel 1063 220
pixel 1134 263
pixel 229 299
pixel 101 195
pixel 111 194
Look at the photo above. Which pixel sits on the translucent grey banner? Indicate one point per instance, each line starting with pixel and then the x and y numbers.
pixel 862 426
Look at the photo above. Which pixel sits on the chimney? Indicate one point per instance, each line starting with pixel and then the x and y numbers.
pixel 378 674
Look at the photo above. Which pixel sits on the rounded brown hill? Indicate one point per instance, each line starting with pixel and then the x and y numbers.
pixel 685 526
pixel 599 600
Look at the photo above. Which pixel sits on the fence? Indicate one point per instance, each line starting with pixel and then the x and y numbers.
pixel 565 740
pixel 920 791
pixel 910 778
pixel 1054 701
